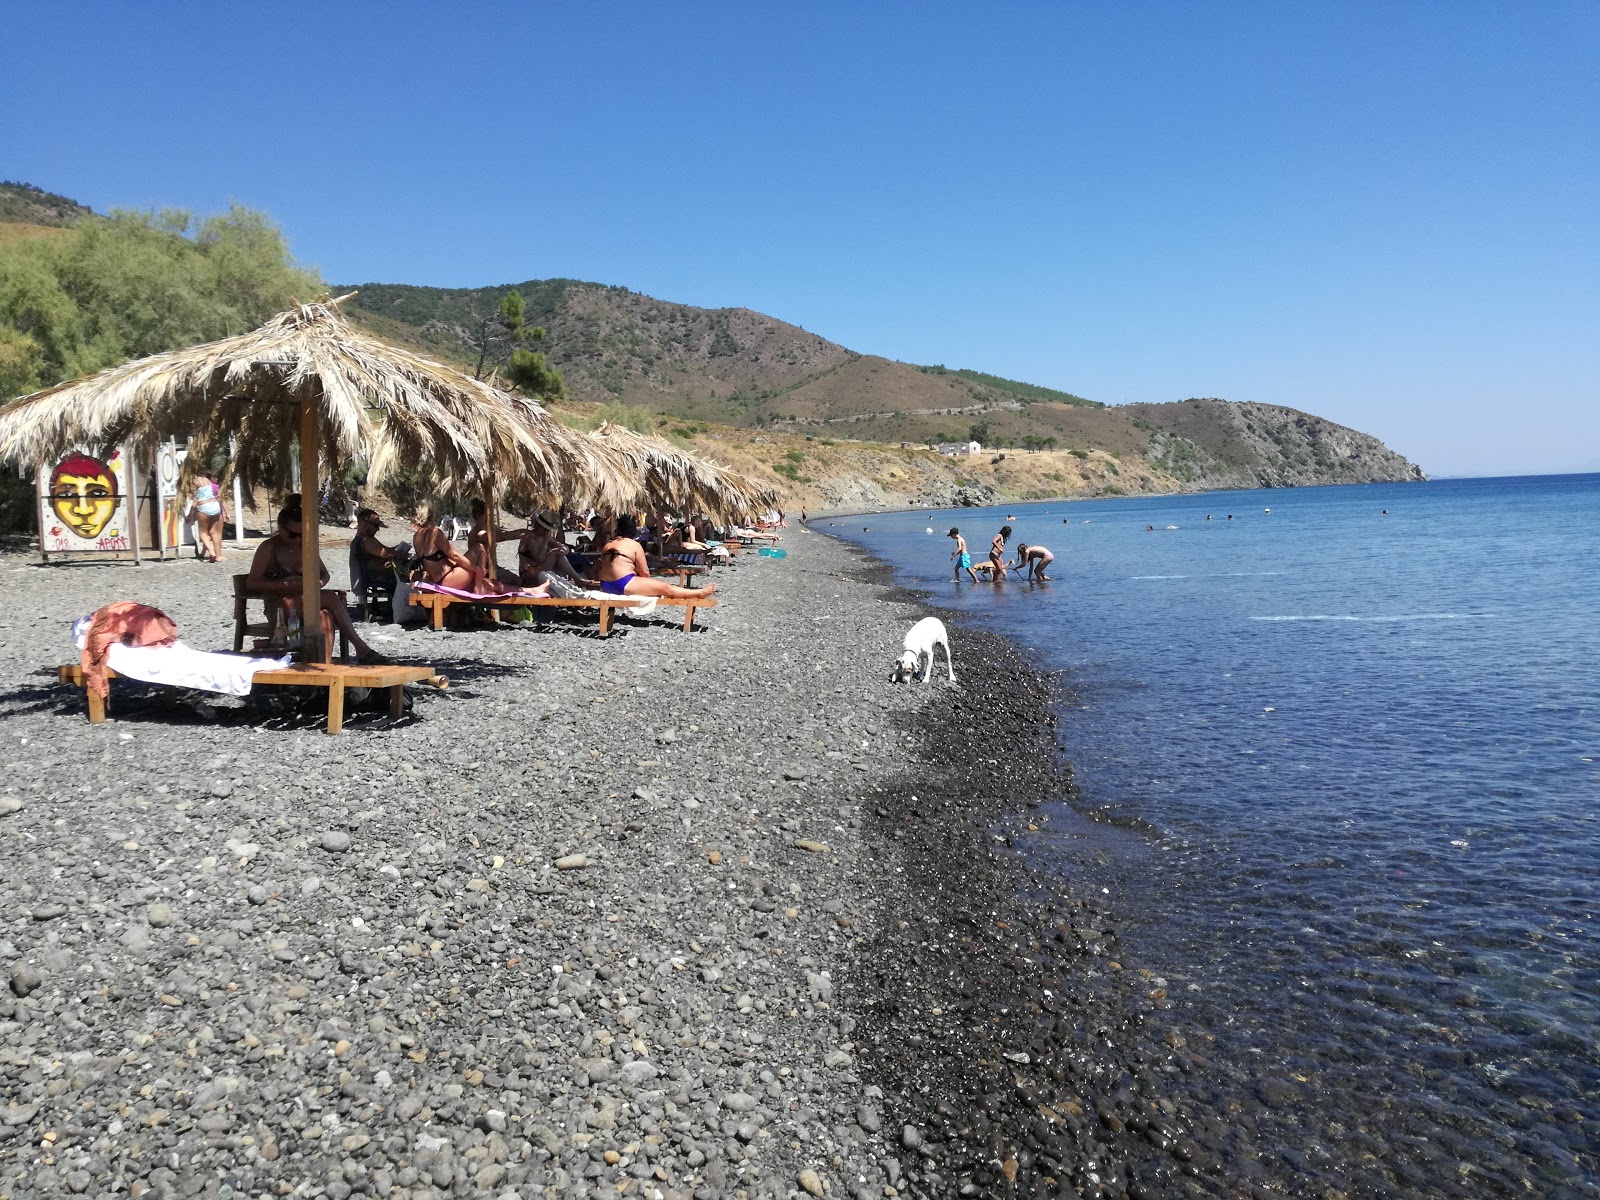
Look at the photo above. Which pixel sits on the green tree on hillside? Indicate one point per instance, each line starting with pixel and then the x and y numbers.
pixel 502 338
pixel 136 283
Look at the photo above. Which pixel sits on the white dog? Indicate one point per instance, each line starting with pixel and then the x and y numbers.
pixel 921 639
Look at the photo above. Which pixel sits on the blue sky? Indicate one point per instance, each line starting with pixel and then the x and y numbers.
pixel 1383 213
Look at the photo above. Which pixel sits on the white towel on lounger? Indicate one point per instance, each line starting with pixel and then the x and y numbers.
pixel 637 606
pixel 183 666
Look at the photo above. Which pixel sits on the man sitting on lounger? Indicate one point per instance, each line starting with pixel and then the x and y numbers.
pixel 542 549
pixel 625 572
pixel 275 572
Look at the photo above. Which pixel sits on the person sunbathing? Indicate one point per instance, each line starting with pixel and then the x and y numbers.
pixel 442 564
pixel 542 550
pixel 624 570
pixel 276 572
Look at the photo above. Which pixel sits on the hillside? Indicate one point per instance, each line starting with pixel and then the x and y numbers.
pixel 833 427
pixel 731 365
pixel 740 368
pixel 24 204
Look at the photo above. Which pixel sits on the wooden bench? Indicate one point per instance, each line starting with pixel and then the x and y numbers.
pixel 437 602
pixel 336 677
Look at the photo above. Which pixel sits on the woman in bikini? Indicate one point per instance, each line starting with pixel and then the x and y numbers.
pixel 275 572
pixel 478 553
pixel 997 553
pixel 624 570
pixel 442 564
pixel 1032 560
pixel 208 517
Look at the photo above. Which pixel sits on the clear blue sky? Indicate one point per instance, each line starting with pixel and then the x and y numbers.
pixel 1385 213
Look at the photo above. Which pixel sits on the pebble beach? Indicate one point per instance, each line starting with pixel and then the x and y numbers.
pixel 660 915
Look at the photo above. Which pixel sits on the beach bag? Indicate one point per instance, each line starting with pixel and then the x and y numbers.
pixel 561 587
pixel 404 611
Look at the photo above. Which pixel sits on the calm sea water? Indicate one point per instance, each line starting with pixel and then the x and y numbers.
pixel 1364 752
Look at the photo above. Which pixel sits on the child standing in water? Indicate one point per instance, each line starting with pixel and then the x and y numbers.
pixel 997 552
pixel 963 559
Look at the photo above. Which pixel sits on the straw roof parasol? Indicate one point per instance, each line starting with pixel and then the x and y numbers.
pixel 682 480
pixel 374 401
pixel 309 375
pixel 592 473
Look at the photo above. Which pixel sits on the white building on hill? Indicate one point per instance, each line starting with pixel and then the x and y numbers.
pixel 960 449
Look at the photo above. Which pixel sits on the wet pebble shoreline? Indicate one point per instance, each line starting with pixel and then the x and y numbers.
pixel 669 916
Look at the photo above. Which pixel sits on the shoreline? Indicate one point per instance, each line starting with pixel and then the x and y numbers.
pixel 351 965
pixel 1025 1057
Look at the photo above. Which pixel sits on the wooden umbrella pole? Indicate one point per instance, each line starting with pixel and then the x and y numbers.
pixel 490 531
pixel 311 647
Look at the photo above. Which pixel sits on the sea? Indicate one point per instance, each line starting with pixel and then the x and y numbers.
pixel 1349 739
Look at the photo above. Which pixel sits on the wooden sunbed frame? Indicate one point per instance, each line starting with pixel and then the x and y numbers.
pixel 437 602
pixel 333 676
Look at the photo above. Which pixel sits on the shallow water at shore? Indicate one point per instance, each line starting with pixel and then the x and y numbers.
pixel 1360 751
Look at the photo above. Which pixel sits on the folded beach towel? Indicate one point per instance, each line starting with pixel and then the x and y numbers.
pixel 177 665
pixel 634 606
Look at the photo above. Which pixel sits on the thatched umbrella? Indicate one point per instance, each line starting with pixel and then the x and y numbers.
pixel 307 374
pixel 677 478
pixel 592 472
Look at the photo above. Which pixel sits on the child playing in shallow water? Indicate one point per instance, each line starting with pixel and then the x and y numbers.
pixel 963 560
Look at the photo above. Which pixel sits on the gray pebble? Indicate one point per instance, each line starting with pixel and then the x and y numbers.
pixel 335 841
pixel 159 915
pixel 25 980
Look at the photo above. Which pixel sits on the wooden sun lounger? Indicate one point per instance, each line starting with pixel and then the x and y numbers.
pixel 684 573
pixel 437 602
pixel 333 676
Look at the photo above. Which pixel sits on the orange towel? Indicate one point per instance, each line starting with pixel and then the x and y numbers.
pixel 128 622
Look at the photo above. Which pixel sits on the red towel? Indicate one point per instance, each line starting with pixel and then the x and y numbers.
pixel 128 622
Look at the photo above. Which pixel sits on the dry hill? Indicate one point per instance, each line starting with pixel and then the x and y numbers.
pixel 834 427
pixel 740 368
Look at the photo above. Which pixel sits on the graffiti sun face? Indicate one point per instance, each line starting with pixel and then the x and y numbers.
pixel 84 493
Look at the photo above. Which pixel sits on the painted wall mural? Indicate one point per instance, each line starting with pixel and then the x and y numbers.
pixel 85 505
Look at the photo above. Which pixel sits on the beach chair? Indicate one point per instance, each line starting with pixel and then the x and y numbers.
pixel 243 627
pixel 437 602
pixel 367 592
pixel 334 677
